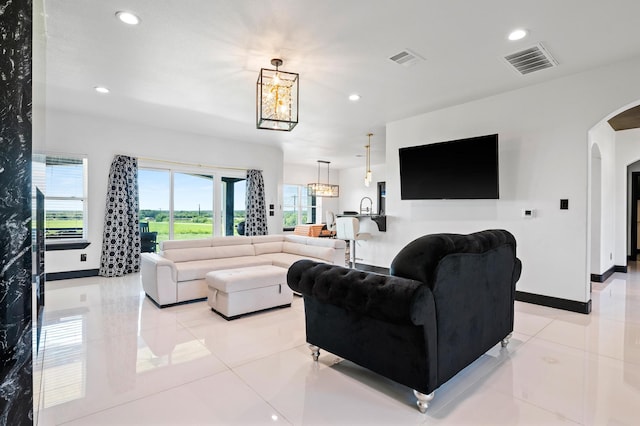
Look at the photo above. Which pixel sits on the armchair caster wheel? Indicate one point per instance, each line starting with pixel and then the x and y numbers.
pixel 505 341
pixel 423 400
pixel 315 352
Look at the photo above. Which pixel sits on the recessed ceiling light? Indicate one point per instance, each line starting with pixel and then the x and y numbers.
pixel 354 97
pixel 128 17
pixel 517 34
pixel 101 89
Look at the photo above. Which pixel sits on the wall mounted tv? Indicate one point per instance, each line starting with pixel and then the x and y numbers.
pixel 456 170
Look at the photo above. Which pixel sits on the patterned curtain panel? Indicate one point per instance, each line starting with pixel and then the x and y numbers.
pixel 256 220
pixel 121 237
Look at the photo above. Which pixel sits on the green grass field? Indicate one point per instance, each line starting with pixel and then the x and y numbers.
pixel 63 223
pixel 182 230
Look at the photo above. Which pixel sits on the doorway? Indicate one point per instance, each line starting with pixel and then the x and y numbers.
pixel 635 201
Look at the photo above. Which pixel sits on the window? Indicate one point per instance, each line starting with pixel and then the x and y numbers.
pixel 65 198
pixel 298 206
pixel 180 204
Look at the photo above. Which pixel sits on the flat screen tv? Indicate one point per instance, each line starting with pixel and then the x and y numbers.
pixel 456 170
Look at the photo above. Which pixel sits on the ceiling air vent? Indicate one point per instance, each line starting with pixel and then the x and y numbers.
pixel 406 58
pixel 533 59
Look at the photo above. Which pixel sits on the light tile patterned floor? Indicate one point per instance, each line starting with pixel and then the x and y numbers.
pixel 110 357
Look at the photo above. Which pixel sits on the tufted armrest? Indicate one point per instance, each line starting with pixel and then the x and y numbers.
pixel 387 298
pixel 419 259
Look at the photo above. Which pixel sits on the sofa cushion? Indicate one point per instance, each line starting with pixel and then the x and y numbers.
pixel 185 244
pixel 259 239
pixel 231 251
pixel 188 254
pixel 284 260
pixel 296 239
pixel 324 253
pixel 204 253
pixel 230 241
pixel 326 242
pixel 197 270
pixel 272 247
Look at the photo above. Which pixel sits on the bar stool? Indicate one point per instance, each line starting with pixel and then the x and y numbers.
pixel 348 228
pixel 331 221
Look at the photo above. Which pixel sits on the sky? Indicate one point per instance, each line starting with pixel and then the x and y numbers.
pixel 64 181
pixel 190 191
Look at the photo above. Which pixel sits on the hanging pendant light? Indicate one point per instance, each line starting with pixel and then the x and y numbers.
pixel 367 174
pixel 277 99
pixel 323 189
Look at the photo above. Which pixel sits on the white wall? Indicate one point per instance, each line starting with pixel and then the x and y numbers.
pixel 297 174
pixel 101 138
pixel 603 220
pixel 627 153
pixel 353 190
pixel 595 219
pixel 544 153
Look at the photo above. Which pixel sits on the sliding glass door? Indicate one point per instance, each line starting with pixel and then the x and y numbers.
pixel 176 205
pixel 192 206
pixel 184 204
pixel 154 189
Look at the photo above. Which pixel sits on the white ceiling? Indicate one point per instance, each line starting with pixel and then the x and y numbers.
pixel 192 65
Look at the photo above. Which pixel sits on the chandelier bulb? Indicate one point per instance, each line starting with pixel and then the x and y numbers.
pixel 367 175
pixel 367 178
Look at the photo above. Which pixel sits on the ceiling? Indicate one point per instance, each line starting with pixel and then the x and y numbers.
pixel 192 65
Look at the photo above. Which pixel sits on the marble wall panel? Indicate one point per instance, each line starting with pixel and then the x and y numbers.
pixel 16 387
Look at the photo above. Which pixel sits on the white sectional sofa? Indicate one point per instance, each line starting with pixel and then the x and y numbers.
pixel 177 273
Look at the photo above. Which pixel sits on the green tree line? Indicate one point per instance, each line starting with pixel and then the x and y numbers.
pixel 193 216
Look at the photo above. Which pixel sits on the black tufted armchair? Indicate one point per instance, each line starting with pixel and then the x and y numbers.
pixel 449 299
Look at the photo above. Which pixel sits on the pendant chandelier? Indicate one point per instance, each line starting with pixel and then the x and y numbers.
pixel 367 174
pixel 323 189
pixel 277 99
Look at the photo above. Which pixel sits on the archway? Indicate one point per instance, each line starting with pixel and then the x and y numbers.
pixel 608 223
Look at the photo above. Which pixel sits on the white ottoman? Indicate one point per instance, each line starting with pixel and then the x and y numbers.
pixel 235 292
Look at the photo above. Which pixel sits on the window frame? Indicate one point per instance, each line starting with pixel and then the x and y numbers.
pixel 62 243
pixel 299 206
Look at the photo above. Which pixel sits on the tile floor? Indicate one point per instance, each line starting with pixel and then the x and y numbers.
pixel 110 357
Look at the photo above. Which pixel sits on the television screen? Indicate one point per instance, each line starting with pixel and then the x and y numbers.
pixel 459 169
